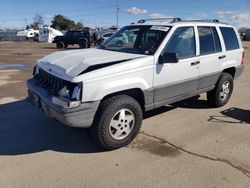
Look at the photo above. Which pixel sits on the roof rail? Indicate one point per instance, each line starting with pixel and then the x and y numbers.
pixel 159 20
pixel 208 20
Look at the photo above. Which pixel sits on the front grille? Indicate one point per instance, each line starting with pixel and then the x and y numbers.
pixel 52 83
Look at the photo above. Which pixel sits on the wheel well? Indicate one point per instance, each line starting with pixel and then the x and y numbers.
pixel 83 40
pixel 230 71
pixel 136 93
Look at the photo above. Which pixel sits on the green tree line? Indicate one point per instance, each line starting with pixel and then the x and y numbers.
pixel 59 22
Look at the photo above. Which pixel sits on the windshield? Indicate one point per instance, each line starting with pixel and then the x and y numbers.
pixel 137 39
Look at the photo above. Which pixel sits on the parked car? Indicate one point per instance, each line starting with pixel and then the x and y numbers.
pixel 119 40
pixel 48 34
pixel 79 37
pixel 161 62
pixel 246 36
pixel 106 36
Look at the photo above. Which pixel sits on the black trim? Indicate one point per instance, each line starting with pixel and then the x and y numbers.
pixel 103 65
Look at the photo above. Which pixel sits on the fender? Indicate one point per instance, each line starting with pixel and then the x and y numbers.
pixel 229 64
pixel 107 88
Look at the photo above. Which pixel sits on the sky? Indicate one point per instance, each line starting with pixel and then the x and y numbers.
pixel 98 13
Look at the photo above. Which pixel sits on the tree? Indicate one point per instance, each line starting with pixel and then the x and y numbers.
pixel 242 29
pixel 38 20
pixel 79 25
pixel 62 23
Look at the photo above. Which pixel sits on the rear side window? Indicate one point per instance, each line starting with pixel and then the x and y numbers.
pixel 206 40
pixel 77 34
pixel 182 42
pixel 230 38
pixel 69 33
pixel 209 40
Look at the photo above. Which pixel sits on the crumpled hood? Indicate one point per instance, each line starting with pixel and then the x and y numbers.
pixel 72 62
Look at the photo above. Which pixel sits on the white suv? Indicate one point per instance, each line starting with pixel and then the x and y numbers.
pixel 162 62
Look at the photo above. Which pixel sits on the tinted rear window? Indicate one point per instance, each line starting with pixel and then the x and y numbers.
pixel 77 34
pixel 209 40
pixel 206 40
pixel 230 38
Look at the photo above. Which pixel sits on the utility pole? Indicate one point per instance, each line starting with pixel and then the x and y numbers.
pixel 26 22
pixel 117 16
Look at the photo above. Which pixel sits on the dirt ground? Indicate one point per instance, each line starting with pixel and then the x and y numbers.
pixel 187 144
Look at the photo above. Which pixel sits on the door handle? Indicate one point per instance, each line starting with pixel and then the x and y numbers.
pixel 195 63
pixel 222 57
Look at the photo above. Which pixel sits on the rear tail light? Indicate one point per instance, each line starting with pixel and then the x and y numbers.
pixel 243 58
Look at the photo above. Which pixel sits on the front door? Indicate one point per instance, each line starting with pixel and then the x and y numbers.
pixel 175 81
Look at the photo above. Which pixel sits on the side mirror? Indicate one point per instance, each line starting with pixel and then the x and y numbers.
pixel 168 57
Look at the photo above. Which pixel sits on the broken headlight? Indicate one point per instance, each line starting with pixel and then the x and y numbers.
pixel 69 96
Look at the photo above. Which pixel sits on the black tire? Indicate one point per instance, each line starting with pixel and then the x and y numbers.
pixel 106 112
pixel 61 44
pixel 83 44
pixel 214 97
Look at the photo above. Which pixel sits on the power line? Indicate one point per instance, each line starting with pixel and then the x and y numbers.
pixel 78 15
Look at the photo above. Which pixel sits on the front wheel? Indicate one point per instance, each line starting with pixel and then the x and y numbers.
pixel 117 122
pixel 61 44
pixel 222 92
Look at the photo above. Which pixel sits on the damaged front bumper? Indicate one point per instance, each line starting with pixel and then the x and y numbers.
pixel 81 116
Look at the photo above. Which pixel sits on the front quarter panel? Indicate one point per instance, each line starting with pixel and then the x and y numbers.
pixel 128 75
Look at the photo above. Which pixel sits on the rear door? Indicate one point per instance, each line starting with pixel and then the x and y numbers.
pixel 173 81
pixel 233 47
pixel 211 56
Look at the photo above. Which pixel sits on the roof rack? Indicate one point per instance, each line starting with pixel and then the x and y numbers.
pixel 208 20
pixel 160 20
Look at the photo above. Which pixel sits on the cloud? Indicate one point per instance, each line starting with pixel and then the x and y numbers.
pixel 238 18
pixel 48 16
pixel 158 15
pixel 201 15
pixel 136 11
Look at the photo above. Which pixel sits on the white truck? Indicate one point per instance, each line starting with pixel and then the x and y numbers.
pixel 27 34
pixel 47 34
pixel 163 61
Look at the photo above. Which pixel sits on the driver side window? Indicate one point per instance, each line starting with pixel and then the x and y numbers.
pixel 182 42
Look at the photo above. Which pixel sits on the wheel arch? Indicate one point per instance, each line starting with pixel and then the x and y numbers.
pixel 230 70
pixel 135 93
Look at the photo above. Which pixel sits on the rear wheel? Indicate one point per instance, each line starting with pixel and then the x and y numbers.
pixel 222 92
pixel 117 122
pixel 83 44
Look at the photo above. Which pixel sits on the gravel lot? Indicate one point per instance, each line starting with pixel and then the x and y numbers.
pixel 187 144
